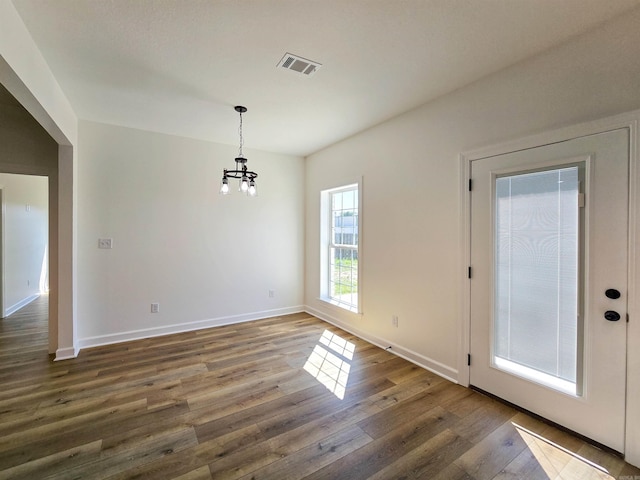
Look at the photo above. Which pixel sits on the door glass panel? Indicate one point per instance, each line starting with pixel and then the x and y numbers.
pixel 537 288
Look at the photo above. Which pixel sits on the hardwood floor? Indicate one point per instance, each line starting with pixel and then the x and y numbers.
pixel 248 402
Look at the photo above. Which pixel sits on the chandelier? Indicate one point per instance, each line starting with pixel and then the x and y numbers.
pixel 247 178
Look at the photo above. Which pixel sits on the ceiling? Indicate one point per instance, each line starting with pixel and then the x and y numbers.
pixel 179 66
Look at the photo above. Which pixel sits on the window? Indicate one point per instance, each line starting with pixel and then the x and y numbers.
pixel 340 214
pixel 537 266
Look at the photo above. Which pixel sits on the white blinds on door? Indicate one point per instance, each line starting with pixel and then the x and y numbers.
pixel 536 271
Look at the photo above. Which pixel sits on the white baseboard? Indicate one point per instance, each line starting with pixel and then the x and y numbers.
pixel 66 353
pixel 427 363
pixel 183 327
pixel 22 303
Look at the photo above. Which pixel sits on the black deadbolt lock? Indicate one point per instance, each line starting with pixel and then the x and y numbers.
pixel 612 316
pixel 612 293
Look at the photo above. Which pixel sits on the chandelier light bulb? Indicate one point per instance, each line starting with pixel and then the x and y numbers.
pixel 224 187
pixel 252 192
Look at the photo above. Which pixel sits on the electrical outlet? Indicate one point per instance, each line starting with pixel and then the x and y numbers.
pixel 272 293
pixel 394 320
pixel 105 243
pixel 155 307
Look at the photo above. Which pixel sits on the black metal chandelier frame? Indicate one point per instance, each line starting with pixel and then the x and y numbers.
pixel 241 172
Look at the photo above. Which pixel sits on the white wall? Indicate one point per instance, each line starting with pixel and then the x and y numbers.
pixel 25 227
pixel 203 257
pixel 411 246
pixel 410 165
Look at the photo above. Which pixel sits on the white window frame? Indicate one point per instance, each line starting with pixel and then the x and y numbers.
pixel 327 243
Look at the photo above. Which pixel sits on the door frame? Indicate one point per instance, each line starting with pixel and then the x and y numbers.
pixel 631 121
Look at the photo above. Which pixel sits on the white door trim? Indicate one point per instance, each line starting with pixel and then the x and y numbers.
pixel 630 120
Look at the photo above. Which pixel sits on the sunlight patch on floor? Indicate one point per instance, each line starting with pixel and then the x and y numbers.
pixel 553 458
pixel 330 365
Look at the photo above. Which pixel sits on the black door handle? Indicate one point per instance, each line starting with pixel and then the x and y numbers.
pixel 612 316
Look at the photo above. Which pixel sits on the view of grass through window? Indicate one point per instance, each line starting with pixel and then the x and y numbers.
pixel 345 273
pixel 343 247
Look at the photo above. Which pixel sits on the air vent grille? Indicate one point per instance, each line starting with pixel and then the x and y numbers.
pixel 299 65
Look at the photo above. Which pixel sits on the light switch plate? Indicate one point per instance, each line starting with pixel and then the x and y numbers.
pixel 105 243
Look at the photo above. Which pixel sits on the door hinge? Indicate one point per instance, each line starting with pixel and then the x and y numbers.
pixel 469 273
pixel 468 359
pixel 470 185
pixel 581 200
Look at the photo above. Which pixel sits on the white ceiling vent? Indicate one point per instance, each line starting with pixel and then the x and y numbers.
pixel 299 64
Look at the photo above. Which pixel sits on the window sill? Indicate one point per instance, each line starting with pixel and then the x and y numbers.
pixel 340 305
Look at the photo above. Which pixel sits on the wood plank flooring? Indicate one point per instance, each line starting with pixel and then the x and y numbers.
pixel 260 400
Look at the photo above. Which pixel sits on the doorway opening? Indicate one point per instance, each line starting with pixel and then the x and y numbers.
pixel 24 241
pixel 30 152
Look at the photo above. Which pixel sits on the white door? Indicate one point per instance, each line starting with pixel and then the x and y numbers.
pixel 549 245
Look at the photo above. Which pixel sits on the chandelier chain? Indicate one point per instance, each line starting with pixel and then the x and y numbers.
pixel 241 137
